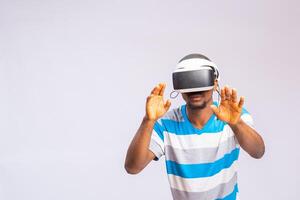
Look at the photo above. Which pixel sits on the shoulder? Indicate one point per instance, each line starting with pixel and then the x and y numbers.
pixel 245 111
pixel 247 117
pixel 174 114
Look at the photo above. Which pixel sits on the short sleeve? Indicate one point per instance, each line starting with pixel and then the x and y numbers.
pixel 247 118
pixel 157 140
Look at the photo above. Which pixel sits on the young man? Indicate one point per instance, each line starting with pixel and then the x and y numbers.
pixel 201 140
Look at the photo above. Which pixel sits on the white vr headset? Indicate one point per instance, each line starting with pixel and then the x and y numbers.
pixel 194 74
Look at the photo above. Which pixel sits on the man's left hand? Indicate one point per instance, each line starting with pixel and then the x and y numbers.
pixel 230 108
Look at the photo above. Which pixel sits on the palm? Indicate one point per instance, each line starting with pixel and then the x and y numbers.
pixel 155 106
pixel 229 110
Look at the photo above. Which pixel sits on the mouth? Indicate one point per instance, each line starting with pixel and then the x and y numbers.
pixel 195 97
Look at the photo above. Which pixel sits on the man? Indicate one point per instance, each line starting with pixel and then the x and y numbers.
pixel 200 139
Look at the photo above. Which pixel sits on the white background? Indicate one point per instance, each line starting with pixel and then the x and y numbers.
pixel 74 77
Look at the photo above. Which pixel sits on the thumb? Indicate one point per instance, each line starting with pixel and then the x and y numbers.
pixel 215 109
pixel 167 104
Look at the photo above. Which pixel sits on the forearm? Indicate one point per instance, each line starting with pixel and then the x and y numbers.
pixel 249 139
pixel 137 152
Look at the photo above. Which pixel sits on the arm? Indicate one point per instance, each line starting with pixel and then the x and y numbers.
pixel 249 139
pixel 230 111
pixel 138 153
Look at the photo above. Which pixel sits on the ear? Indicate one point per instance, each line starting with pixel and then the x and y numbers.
pixel 216 84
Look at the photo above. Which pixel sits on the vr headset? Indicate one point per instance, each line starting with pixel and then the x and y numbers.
pixel 194 74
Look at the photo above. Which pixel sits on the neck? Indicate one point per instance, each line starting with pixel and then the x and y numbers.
pixel 199 117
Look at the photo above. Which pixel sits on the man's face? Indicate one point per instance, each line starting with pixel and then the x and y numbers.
pixel 197 100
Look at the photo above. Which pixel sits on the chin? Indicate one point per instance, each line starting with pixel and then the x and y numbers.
pixel 199 105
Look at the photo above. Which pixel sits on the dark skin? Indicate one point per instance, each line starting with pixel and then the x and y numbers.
pixel 199 110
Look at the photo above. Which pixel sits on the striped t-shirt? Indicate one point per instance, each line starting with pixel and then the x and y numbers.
pixel 200 163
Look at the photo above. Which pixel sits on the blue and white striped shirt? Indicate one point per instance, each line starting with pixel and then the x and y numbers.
pixel 201 163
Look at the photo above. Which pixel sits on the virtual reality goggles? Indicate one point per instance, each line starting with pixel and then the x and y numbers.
pixel 194 74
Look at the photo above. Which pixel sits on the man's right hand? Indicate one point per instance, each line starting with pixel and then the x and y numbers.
pixel 155 105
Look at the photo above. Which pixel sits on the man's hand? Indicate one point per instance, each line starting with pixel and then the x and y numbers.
pixel 155 105
pixel 229 109
pixel 138 154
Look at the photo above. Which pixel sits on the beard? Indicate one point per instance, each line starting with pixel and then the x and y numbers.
pixel 197 106
pixel 200 104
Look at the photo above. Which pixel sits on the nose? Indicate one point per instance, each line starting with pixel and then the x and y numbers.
pixel 195 93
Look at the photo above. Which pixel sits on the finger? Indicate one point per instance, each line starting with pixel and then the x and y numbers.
pixel 162 89
pixel 223 94
pixel 241 103
pixel 234 95
pixel 149 97
pixel 155 90
pixel 215 109
pixel 167 104
pixel 227 93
